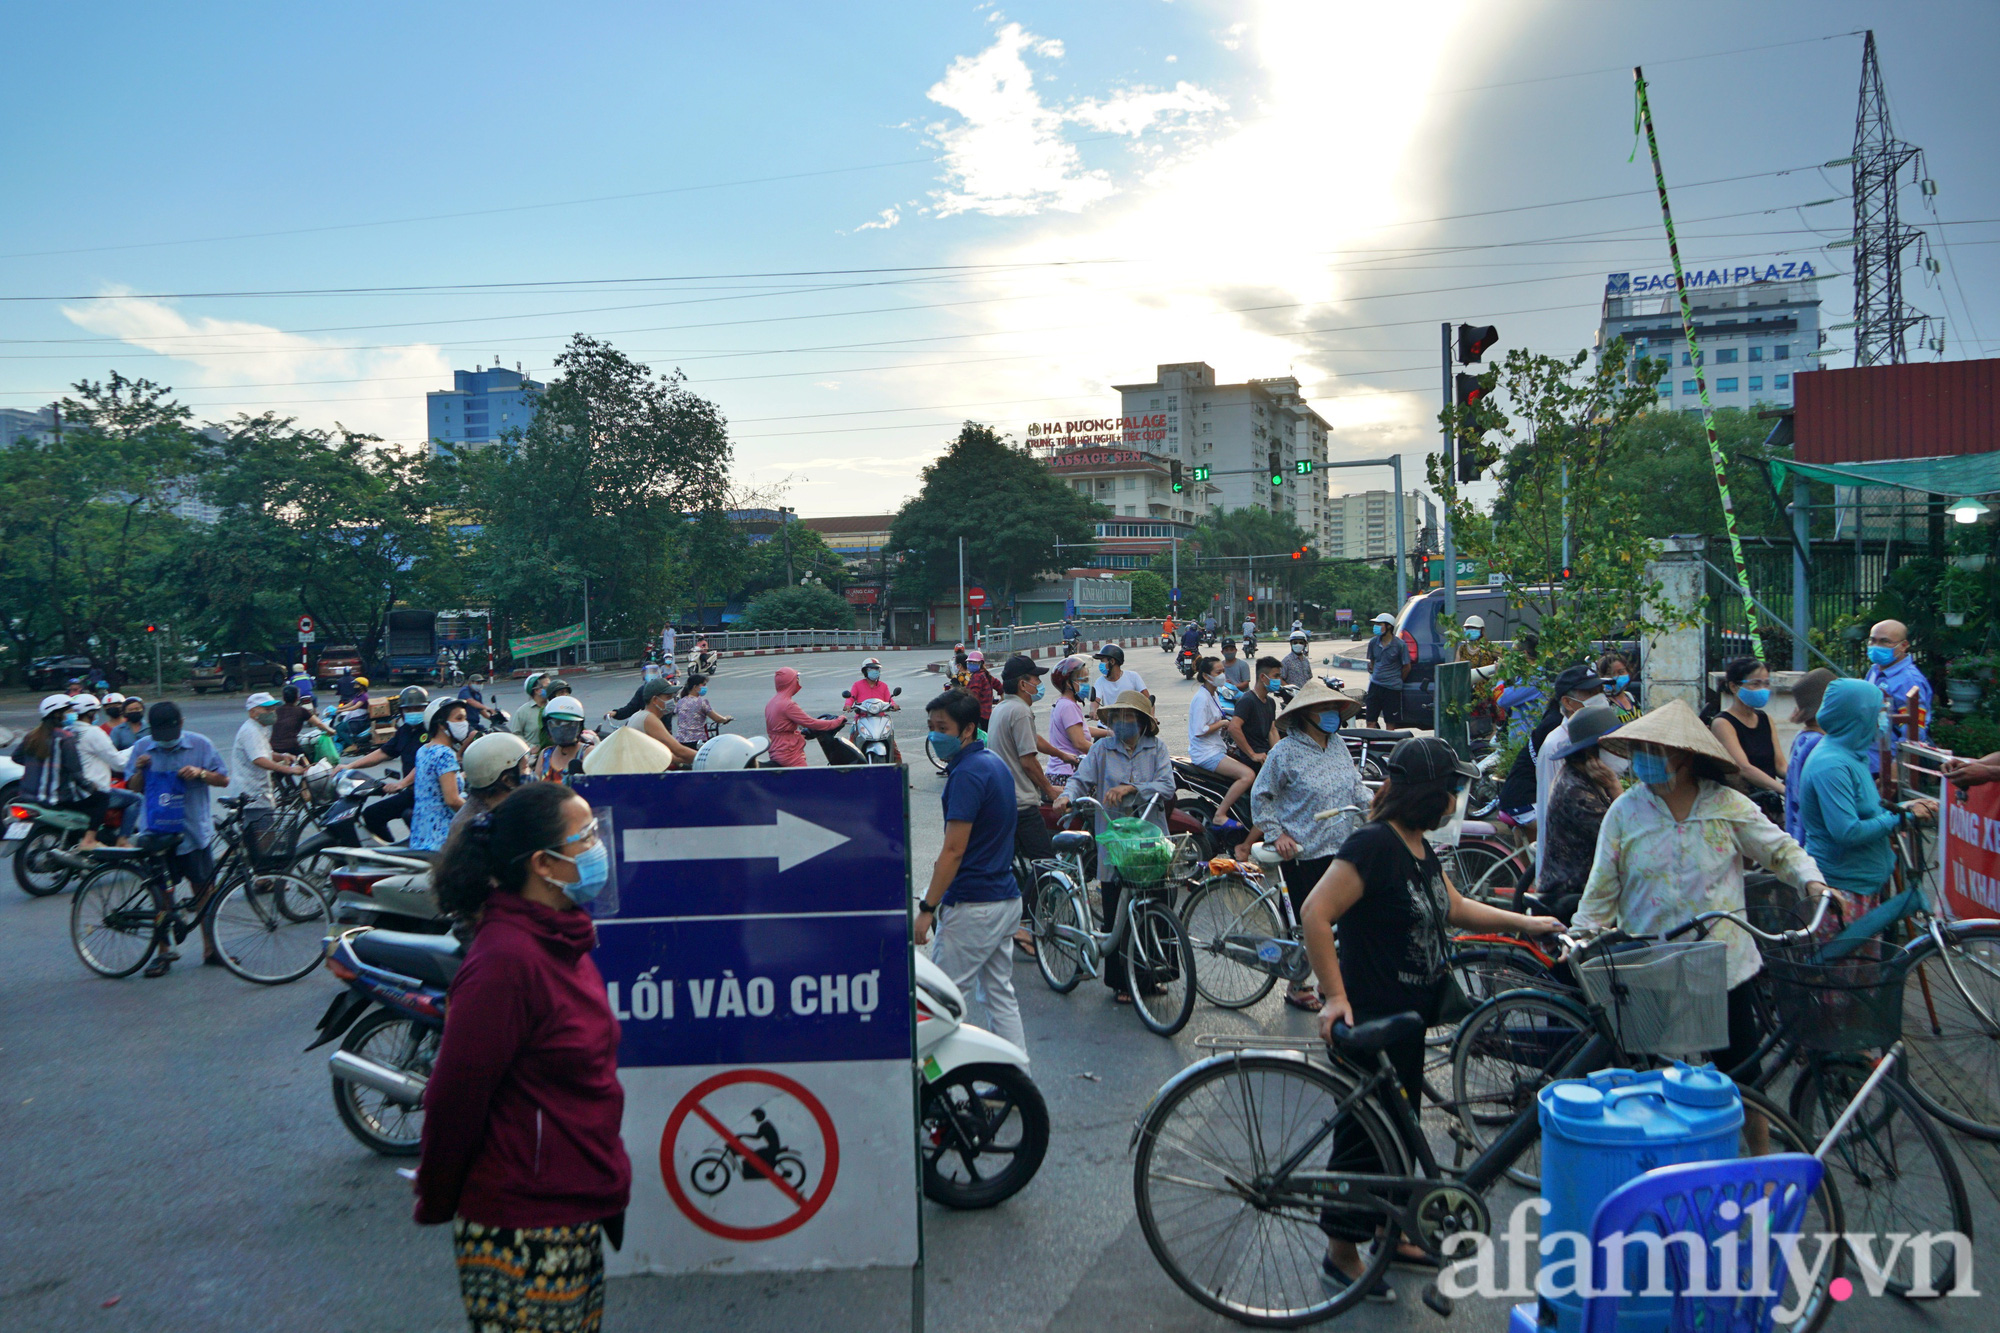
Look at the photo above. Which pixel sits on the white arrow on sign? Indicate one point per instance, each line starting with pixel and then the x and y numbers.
pixel 791 841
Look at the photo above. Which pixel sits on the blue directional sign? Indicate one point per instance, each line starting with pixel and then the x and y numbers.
pixel 763 915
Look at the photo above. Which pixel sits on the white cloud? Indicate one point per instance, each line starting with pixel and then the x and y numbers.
pixel 1134 111
pixel 216 354
pixel 1007 157
pixel 884 220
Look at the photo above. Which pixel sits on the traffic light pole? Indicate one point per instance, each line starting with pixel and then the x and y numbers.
pixel 1395 464
pixel 1451 469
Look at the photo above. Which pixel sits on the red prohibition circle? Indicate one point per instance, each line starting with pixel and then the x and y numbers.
pixel 686 1106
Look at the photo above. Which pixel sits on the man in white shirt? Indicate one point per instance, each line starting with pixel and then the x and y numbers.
pixel 101 760
pixel 667 638
pixel 1575 688
pixel 1113 678
pixel 251 762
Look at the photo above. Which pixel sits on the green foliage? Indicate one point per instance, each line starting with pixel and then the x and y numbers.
pixel 598 488
pixel 1010 511
pixel 1554 443
pixel 1365 589
pixel 809 607
pixel 810 556
pixel 86 528
pixel 714 557
pixel 1660 460
pixel 1973 737
pixel 1149 593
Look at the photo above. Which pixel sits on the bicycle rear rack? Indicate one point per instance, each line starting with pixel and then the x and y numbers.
pixel 1222 1041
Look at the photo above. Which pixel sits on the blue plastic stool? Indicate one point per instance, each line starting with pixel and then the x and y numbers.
pixel 1690 1197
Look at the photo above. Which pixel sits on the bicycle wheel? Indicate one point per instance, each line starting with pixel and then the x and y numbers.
pixel 1478 856
pixel 388 1038
pixel 1497 883
pixel 1486 968
pixel 1896 1175
pixel 111 920
pixel 270 928
pixel 1951 1027
pixel 1227 910
pixel 1507 1050
pixel 1235 1119
pixel 1061 924
pixel 1770 1130
pixel 931 754
pixel 1159 966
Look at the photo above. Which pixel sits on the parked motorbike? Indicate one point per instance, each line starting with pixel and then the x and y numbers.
pixel 387 888
pixel 983 1126
pixel 874 732
pixel 41 836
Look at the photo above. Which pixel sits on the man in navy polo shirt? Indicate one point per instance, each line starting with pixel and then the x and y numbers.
pixel 973 897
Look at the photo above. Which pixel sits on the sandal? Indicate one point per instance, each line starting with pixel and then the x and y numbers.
pixel 1025 943
pixel 158 967
pixel 1121 997
pixel 1306 1000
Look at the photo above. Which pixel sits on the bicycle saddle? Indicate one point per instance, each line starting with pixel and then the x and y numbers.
pixel 1071 840
pixel 1370 734
pixel 431 959
pixel 1367 1040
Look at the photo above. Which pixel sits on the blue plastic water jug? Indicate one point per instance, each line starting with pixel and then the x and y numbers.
pixel 1601 1131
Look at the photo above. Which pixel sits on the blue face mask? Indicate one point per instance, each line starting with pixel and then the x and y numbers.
pixel 1881 654
pixel 1754 698
pixel 1040 690
pixel 1104 668
pixel 872 674
pixel 1650 768
pixel 1083 689
pixel 1473 634
pixel 414 719
pixel 945 744
pixel 1622 680
pixel 1126 732
pixel 1329 720
pixel 701 689
pixel 593 869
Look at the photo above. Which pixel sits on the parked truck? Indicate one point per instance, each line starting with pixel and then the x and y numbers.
pixel 409 645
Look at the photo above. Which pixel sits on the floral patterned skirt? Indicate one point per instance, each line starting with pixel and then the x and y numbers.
pixel 532 1279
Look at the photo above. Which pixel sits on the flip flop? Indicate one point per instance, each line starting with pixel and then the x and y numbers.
pixel 1309 1002
pixel 1025 945
pixel 1121 997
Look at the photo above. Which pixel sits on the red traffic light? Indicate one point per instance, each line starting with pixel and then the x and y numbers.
pixel 1473 340
pixel 152 629
pixel 1470 390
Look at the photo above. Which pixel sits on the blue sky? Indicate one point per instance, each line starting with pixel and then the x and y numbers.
pixel 1061 196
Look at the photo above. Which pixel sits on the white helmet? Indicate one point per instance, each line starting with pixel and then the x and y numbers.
pixel 1474 622
pixel 84 703
pixel 563 706
pixel 432 709
pixel 730 751
pixel 489 758
pixel 1300 636
pixel 54 703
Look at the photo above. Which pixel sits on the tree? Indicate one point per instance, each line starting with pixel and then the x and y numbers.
pixel 88 520
pixel 1555 442
pixel 598 488
pixel 1008 508
pixel 1661 459
pixel 808 607
pixel 1222 546
pixel 1149 594
pixel 1354 585
pixel 810 557
pixel 714 556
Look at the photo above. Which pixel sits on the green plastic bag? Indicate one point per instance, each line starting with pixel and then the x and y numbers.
pixel 1137 850
pixel 320 747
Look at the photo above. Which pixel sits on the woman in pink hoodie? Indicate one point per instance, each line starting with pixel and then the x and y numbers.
pixel 788 724
pixel 521 1149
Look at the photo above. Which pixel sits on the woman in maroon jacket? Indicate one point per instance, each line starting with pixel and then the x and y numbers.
pixel 521 1152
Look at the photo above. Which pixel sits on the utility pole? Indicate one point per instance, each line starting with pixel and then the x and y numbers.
pixel 586 617
pixel 964 630
pixel 1450 464
pixel 1881 319
pixel 785 531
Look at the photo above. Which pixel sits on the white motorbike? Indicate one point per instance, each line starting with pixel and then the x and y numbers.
pixel 984 1127
pixel 874 732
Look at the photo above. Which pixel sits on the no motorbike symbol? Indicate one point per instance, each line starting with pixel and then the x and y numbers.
pixel 749 1155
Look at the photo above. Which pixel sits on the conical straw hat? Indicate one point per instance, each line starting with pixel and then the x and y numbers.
pixel 1672 724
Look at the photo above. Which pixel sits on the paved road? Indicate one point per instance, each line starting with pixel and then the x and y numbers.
pixel 166 1145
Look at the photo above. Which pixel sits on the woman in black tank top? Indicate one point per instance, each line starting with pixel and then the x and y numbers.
pixel 1745 729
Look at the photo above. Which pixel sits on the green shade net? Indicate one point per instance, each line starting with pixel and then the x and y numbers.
pixel 1958 475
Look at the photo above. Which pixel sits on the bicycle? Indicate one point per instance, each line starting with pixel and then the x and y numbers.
pixel 267 924
pixel 1820 1008
pixel 1230 1194
pixel 1159 961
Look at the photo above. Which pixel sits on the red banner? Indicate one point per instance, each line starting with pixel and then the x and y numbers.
pixel 1972 850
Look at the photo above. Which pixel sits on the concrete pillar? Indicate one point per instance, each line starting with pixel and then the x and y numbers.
pixel 1675 663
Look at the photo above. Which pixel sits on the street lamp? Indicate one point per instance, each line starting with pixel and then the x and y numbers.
pixel 1967 510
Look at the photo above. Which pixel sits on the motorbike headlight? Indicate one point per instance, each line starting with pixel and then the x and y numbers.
pixel 348 783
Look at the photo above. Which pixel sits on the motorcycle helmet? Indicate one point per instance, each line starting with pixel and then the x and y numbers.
pixel 84 704
pixel 432 709
pixel 54 703
pixel 534 681
pixel 729 751
pixel 1299 636
pixel 975 657
pixel 1474 622
pixel 413 698
pixel 1110 652
pixel 361 682
pixel 491 758
pixel 872 664
pixel 563 719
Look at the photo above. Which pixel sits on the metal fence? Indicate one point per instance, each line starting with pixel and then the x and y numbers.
pixel 1843 581
pixel 737 640
pixel 1048 634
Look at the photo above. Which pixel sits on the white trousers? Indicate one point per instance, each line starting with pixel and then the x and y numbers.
pixel 974 943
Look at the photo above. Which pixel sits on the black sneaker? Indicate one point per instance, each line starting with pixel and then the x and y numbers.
pixel 1336 1281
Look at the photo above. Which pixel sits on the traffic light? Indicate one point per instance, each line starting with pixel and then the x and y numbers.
pixel 1567 574
pixel 1303 467
pixel 1474 340
pixel 1470 465
pixel 1277 472
pixel 152 629
pixel 1200 472
pixel 1174 471
pixel 1300 554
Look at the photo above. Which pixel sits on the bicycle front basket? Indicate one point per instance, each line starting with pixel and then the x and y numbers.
pixel 1137 850
pixel 1845 1004
pixel 1670 998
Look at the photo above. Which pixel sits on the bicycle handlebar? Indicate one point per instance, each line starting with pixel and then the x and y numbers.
pixel 1798 936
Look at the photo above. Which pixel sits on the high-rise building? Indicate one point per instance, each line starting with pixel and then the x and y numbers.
pixel 18 423
pixel 1261 445
pixel 1757 324
pixel 1362 526
pixel 481 406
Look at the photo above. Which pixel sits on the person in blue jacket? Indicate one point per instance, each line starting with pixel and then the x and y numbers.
pixel 1847 826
